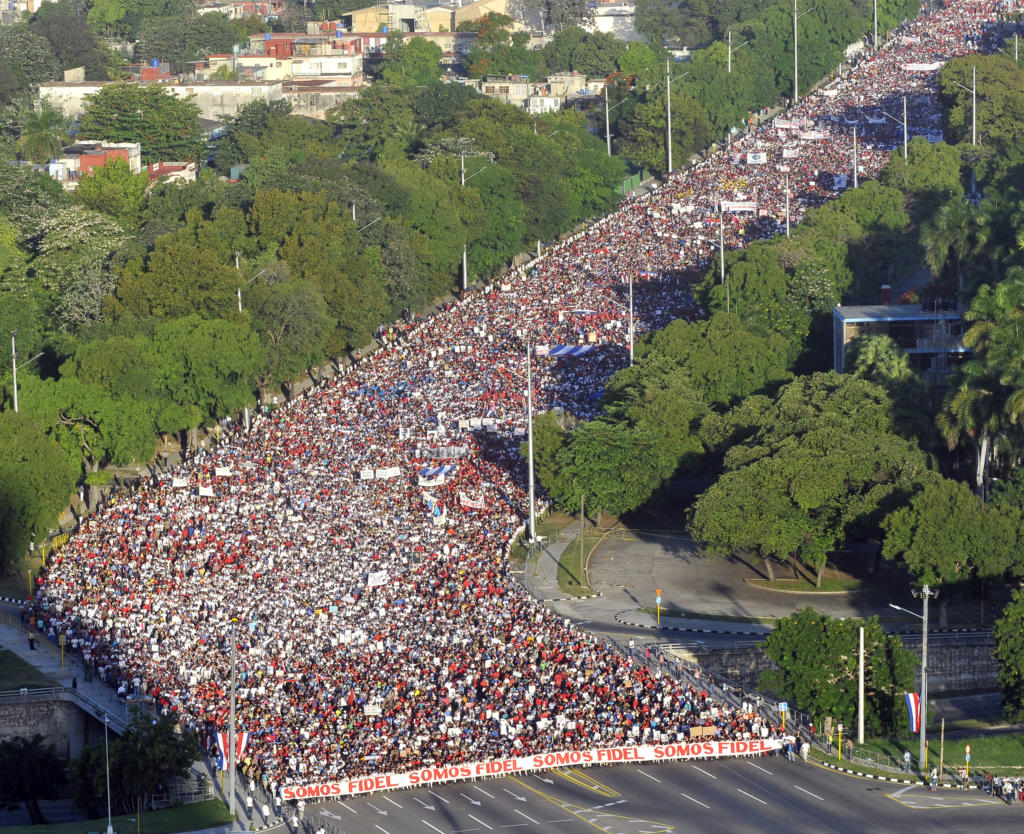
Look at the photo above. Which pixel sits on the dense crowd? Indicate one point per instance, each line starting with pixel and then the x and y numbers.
pixel 364 584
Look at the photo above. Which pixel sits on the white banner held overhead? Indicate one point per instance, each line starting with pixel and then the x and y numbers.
pixel 683 750
pixel 378 577
pixel 206 491
pixel 222 471
pixel 472 503
pixel 179 483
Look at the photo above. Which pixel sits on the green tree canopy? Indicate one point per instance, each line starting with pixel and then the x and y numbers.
pixel 166 126
pixel 32 771
pixel 1009 652
pixel 817 659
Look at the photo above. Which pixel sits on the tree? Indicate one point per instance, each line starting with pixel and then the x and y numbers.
pixel 73 43
pixel 26 61
pixel 412 63
pixel 36 481
pixel 817 659
pixel 32 771
pixel 1008 650
pixel 74 248
pixel 43 133
pixel 724 361
pixel 115 191
pixel 612 467
pixel 151 754
pixel 293 321
pixel 165 126
pixel 930 175
pixel 500 51
pixel 946 536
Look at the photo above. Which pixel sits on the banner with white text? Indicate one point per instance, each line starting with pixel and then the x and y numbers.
pixel 707 749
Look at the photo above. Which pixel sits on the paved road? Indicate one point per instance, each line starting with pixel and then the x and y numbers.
pixel 737 795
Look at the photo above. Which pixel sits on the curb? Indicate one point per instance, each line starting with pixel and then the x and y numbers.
pixel 567 599
pixel 621 621
pixel 862 775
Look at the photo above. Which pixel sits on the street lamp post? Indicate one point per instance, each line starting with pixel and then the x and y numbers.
pixel 904 123
pixel 973 90
pixel 607 124
pixel 668 114
pixel 787 205
pixel 529 443
pixel 855 156
pixel 14 368
pixel 231 728
pixel 796 64
pixel 631 337
pixel 732 49
pixel 106 755
pixel 926 594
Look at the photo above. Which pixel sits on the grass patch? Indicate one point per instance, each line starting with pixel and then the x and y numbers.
pixel 802 585
pixel 548 527
pixel 15 673
pixel 572 578
pixel 194 817
pixel 824 758
pixel 999 750
pixel 725 618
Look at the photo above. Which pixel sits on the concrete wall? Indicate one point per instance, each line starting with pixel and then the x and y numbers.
pixel 64 726
pixel 966 664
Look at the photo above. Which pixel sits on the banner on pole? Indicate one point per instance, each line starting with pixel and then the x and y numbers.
pixel 914 711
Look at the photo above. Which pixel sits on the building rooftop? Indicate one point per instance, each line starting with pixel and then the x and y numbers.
pixel 892 312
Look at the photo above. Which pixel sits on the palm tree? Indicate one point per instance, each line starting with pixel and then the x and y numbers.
pixel 950 239
pixel 976 409
pixel 43 133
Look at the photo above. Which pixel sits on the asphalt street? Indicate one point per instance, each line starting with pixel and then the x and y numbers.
pixel 725 795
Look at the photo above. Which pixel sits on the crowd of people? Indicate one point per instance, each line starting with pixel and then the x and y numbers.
pixel 352 544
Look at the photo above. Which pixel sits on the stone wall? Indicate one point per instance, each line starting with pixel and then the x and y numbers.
pixel 64 726
pixel 956 663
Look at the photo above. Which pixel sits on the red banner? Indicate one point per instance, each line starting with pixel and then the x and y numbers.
pixel 707 749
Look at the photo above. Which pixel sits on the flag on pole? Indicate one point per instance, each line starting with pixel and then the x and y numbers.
pixel 223 747
pixel 914 711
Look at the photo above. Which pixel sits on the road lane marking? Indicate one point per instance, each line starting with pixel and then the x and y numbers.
pixel 761 768
pixel 584 780
pixel 809 793
pixel 604 822
pixel 491 795
pixel 445 801
pixel 382 829
pixel 702 770
pixel 751 796
pixel 391 801
pixel 648 775
pixel 428 825
pixel 347 808
pixel 525 817
pixel 484 824
pixel 702 805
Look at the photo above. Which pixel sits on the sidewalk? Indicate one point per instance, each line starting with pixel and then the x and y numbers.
pixel 46 658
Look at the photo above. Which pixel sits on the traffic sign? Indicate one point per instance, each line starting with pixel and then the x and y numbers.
pixel 783 706
pixel 657 593
pixel 840 728
pixel 968 750
pixel 968 757
pixel 658 600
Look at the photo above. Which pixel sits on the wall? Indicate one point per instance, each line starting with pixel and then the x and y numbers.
pixel 64 726
pixel 960 663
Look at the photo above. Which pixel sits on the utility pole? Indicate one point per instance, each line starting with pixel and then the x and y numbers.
pixel 855 156
pixel 231 733
pixel 787 205
pixel 668 113
pixel 354 212
pixel 926 593
pixel 14 368
pixel 729 60
pixel 974 105
pixel 860 690
pixel 529 442
pixel 721 251
pixel 905 129
pixel 462 167
pixel 796 65
pixel 874 45
pixel 607 124
pixel 465 268
pixel 631 315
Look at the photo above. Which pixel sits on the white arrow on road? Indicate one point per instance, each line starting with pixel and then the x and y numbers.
pixel 514 796
pixel 474 801
pixel 330 814
pixel 378 810
pixel 545 779
pixel 424 804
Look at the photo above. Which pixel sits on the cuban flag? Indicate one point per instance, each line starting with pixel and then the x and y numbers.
pixel 223 748
pixel 914 711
